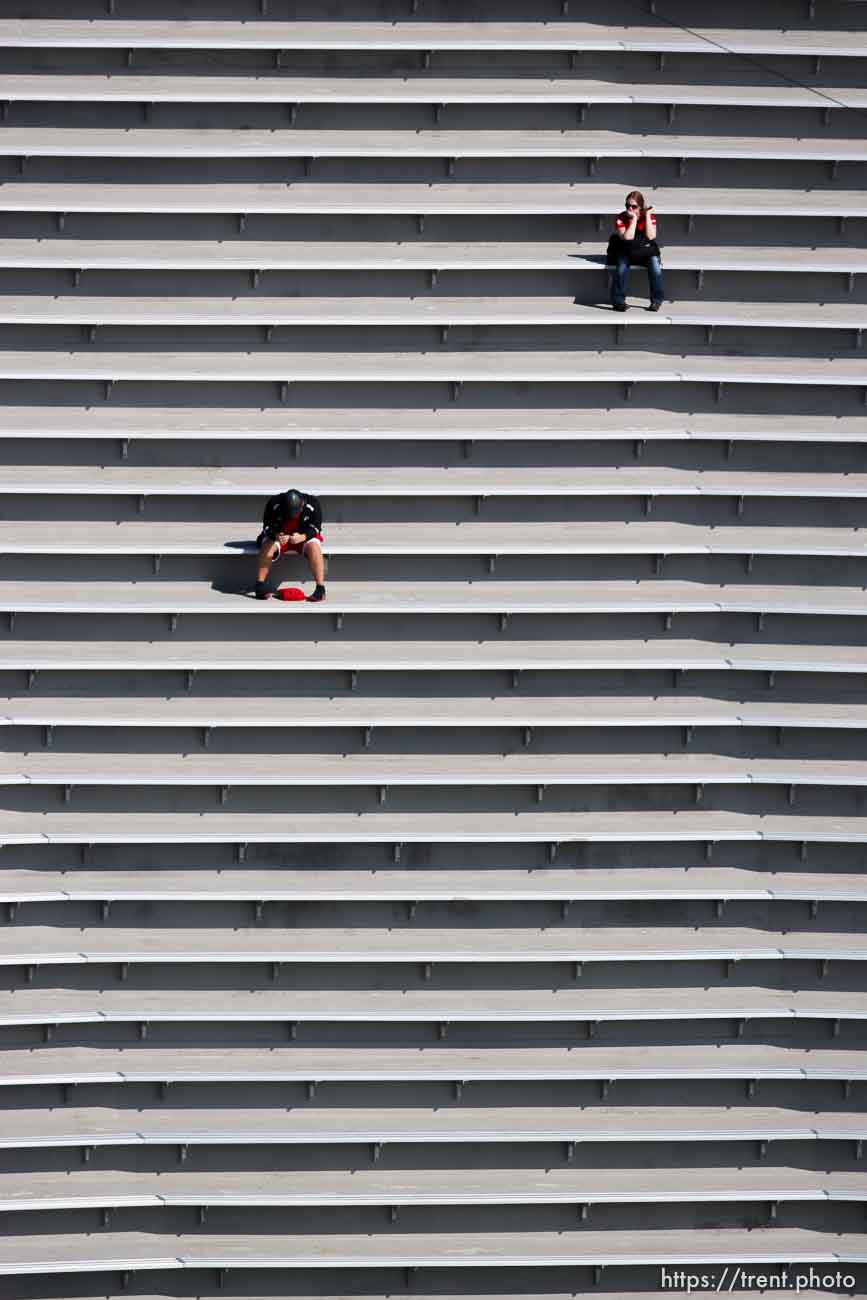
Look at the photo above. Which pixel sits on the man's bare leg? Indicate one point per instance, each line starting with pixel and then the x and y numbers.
pixel 316 561
pixel 268 553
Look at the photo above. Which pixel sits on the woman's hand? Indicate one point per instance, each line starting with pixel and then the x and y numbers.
pixel 630 220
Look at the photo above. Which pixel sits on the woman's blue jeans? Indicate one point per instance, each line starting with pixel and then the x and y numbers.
pixel 620 279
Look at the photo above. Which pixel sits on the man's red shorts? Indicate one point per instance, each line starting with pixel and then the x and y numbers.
pixel 297 548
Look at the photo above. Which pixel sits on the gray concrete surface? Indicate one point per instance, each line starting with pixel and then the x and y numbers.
pixel 586 988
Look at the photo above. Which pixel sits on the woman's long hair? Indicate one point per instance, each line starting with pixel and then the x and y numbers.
pixel 639 199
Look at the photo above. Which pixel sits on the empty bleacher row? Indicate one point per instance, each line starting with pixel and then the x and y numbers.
pixel 496 32
pixel 494 928
pixel 439 91
pixel 258 257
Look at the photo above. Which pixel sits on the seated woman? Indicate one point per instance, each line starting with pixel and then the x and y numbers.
pixel 633 243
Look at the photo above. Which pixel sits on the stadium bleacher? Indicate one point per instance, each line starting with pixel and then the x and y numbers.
pixel 493 929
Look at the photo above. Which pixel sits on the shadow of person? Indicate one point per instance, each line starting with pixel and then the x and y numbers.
pixel 227 588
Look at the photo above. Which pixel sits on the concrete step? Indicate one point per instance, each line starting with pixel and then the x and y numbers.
pixel 283 367
pixel 804 1292
pixel 320 88
pixel 270 711
pixel 541 771
pixel 137 537
pixel 261 885
pixel 116 1189
pixel 93 310
pixel 491 596
pixel 361 142
pixel 409 655
pixel 480 482
pixel 309 1125
pixel 685 1005
pixel 448 198
pixel 631 423
pixel 47 945
pixel 123 1251
pixel 751 1063
pixel 261 256
pixel 548 829
pixel 168 33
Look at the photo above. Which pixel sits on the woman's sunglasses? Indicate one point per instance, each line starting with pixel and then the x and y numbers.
pixel 633 207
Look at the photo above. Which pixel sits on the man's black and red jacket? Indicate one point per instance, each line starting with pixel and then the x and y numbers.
pixel 277 514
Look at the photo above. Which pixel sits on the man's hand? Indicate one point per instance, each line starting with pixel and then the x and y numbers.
pixel 268 546
pixel 295 539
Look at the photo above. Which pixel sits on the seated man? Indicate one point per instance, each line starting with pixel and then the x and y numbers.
pixel 291 522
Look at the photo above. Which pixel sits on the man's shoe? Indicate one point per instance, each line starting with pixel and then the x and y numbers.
pixel 618 306
pixel 655 306
pixel 318 593
pixel 262 592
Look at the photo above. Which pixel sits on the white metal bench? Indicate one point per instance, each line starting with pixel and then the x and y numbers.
pixel 77 1126
pixel 92 311
pixel 418 200
pixel 436 143
pixel 57 945
pixel 294 425
pixel 118 33
pixel 126 1251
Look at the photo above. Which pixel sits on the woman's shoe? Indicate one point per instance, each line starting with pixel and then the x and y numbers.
pixel 655 306
pixel 618 306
